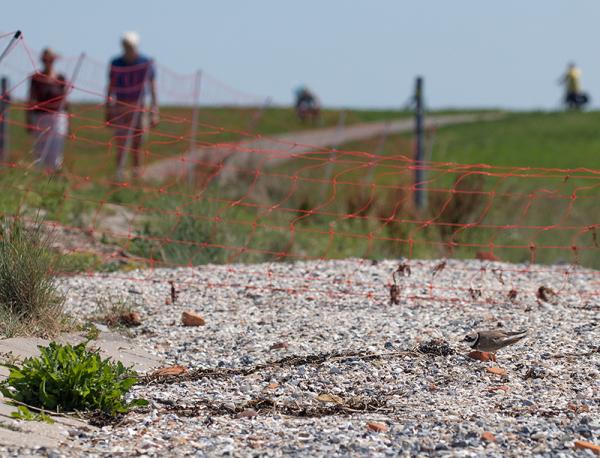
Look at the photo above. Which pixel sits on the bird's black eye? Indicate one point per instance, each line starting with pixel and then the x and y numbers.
pixel 469 338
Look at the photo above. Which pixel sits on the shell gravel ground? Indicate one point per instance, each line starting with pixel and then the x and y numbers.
pixel 338 316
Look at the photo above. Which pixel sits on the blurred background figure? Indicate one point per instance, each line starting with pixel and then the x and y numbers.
pixel 131 79
pixel 308 107
pixel 46 116
pixel 575 98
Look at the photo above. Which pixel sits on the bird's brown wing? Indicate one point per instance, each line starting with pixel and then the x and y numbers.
pixel 515 333
pixel 513 339
pixel 502 335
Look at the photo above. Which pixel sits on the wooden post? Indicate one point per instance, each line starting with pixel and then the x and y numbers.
pixel 419 146
pixel 4 104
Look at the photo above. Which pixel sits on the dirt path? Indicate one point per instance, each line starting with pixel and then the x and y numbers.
pixel 282 147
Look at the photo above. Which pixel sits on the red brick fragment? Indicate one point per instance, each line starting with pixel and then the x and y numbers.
pixel 171 370
pixel 496 371
pixel 190 318
pixel 488 437
pixel 483 356
pixel 583 445
pixel 376 426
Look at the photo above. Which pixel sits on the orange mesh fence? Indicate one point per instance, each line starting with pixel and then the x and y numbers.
pixel 212 190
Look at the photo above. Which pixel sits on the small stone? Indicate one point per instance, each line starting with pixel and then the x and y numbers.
pixel 585 432
pixel 246 360
pixel 326 397
pixel 496 371
pixel 525 431
pixel 376 426
pixel 499 388
pixel 272 386
pixel 535 372
pixel 538 436
pixel 131 319
pixel 280 346
pixel 583 445
pixel 189 318
pixel 248 413
pixel 229 406
pixel 488 437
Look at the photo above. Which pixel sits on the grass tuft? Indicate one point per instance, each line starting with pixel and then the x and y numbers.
pixel 30 303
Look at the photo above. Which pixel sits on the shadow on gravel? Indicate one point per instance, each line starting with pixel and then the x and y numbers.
pixel 288 361
pixel 355 404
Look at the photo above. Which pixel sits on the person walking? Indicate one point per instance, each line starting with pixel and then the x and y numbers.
pixel 131 78
pixel 307 105
pixel 575 98
pixel 46 115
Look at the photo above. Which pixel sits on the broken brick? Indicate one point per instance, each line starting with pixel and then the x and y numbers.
pixel 190 318
pixel 376 426
pixel 488 437
pixel 171 370
pixel 483 356
pixel 496 371
pixel 583 445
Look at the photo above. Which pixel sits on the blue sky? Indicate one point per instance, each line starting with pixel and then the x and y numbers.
pixel 352 53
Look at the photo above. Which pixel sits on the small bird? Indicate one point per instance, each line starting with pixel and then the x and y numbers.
pixel 493 340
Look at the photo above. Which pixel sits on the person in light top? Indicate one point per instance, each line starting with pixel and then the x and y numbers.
pixel 131 80
pixel 575 98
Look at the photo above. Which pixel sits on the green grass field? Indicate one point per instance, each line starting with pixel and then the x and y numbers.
pixel 294 211
pixel 89 151
pixel 550 208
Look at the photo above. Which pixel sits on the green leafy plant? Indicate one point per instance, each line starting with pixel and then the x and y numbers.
pixel 23 413
pixel 67 378
pixel 30 302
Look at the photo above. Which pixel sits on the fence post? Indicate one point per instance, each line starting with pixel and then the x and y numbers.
pixel 419 146
pixel 194 128
pixel 4 103
pixel 5 100
pixel 9 47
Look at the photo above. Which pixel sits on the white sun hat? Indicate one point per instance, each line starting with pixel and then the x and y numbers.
pixel 132 38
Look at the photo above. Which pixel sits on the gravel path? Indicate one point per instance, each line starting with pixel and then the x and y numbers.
pixel 278 148
pixel 311 359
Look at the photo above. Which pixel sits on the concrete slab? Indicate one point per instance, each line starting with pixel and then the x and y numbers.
pixel 18 433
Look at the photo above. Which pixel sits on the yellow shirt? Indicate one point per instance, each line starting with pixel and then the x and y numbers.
pixel 573 80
